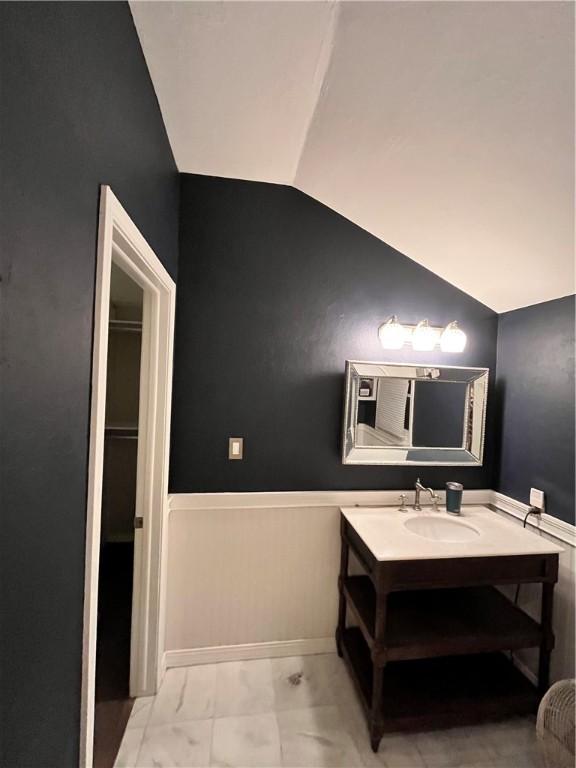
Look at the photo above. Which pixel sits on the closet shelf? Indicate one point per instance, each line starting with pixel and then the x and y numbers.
pixel 441 622
pixel 131 326
pixel 121 431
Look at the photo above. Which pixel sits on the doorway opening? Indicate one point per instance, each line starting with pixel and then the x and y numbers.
pixel 124 592
pixel 119 524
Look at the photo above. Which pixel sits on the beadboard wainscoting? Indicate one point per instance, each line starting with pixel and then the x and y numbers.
pixel 248 581
pixel 254 575
pixel 563 534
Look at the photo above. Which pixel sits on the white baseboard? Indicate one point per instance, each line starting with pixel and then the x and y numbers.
pixel 189 657
pixel 559 529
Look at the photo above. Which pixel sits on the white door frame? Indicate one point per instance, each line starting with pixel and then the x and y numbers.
pixel 120 241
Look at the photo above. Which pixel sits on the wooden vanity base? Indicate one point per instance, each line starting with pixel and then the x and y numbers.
pixel 427 648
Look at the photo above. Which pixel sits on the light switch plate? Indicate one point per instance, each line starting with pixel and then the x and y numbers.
pixel 537 498
pixel 235 448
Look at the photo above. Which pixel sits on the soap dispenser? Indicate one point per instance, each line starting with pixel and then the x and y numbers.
pixel 454 498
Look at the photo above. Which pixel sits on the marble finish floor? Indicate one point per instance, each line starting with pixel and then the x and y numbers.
pixel 301 712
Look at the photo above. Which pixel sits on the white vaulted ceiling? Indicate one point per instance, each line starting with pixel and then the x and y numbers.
pixel 446 129
pixel 237 82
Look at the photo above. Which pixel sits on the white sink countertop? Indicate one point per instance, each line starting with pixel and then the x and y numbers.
pixel 478 532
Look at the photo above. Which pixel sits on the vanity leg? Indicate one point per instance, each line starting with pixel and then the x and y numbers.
pixel 378 664
pixel 376 710
pixel 547 637
pixel 344 554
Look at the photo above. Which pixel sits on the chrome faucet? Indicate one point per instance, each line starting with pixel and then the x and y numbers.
pixel 433 495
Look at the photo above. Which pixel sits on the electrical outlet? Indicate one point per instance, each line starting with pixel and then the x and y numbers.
pixel 537 499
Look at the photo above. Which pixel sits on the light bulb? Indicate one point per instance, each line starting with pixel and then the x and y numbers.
pixel 424 338
pixel 392 334
pixel 453 339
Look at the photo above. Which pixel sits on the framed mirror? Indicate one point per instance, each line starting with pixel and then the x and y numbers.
pixel 414 414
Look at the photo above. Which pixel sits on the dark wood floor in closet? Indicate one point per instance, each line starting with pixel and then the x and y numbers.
pixel 113 703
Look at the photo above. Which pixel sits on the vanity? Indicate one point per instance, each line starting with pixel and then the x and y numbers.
pixel 423 628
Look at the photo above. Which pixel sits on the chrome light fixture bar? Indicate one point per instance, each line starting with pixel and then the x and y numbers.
pixel 423 337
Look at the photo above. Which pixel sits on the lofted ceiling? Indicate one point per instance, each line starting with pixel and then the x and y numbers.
pixel 446 129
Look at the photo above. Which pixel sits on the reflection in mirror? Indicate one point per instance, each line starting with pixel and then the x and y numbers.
pixel 413 414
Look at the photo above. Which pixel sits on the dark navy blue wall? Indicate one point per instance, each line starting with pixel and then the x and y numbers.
pixel 275 292
pixel 78 110
pixel 535 390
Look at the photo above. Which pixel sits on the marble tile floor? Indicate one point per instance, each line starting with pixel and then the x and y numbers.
pixel 299 712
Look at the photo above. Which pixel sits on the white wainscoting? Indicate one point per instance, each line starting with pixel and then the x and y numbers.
pixel 247 575
pixel 563 534
pixel 253 575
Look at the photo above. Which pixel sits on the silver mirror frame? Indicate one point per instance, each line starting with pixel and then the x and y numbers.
pixel 473 430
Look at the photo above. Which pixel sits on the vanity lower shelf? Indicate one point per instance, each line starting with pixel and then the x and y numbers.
pixel 441 622
pixel 440 692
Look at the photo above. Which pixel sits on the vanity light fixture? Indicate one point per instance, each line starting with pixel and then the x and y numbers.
pixel 423 337
pixel 392 334
pixel 453 339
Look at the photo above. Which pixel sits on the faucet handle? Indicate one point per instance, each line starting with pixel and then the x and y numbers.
pixel 435 500
pixel 402 507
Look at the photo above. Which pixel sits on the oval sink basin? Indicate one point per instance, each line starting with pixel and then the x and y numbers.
pixel 441 529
